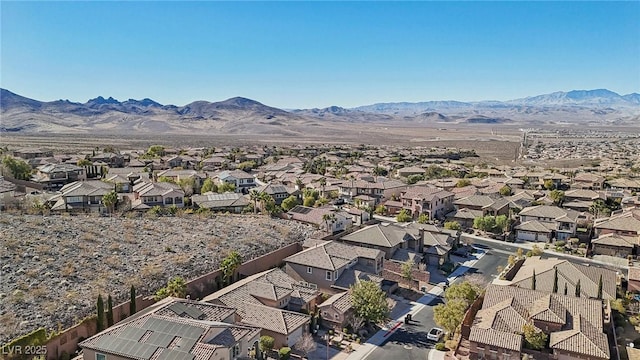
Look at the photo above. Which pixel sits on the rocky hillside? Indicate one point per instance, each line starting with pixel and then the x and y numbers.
pixel 54 267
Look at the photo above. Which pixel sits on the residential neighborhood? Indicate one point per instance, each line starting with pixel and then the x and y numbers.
pixel 548 256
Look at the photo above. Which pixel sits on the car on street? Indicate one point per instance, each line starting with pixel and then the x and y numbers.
pixel 435 334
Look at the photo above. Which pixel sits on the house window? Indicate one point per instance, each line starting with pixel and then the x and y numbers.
pixel 169 200
pixel 309 270
pixel 335 275
pixel 178 200
pixel 101 356
pixel 74 199
pixel 336 316
pixel 329 275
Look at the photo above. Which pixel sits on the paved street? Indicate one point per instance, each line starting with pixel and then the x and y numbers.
pixel 410 341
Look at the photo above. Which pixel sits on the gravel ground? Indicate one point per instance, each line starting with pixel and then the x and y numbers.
pixel 54 267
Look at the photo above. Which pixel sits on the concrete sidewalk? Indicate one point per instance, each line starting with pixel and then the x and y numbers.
pixel 416 306
pixel 529 245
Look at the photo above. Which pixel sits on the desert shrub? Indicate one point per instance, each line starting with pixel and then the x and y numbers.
pixel 285 353
pixel 441 346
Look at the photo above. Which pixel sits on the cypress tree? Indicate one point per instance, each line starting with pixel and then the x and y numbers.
pixel 109 311
pixel 600 288
pixel 555 281
pixel 132 301
pixel 100 320
pixel 565 288
pixel 533 280
pixel 578 288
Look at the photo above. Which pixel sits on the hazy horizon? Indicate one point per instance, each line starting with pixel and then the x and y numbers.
pixel 317 54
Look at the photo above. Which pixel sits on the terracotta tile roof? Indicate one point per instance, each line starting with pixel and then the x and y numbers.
pixel 212 200
pixel 352 276
pixel 332 255
pixel 245 295
pixel 506 309
pixel 568 273
pixel 339 301
pixel 378 235
pixel 623 222
pixel 553 212
pixel 496 338
pixel 151 335
pixel 468 214
pixel 583 338
pixel 617 240
pixel 536 226
pixel 425 193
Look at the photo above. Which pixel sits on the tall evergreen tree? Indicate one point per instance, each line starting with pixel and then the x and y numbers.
pixel 578 288
pixel 600 288
pixel 132 301
pixel 565 288
pixel 555 281
pixel 109 311
pixel 533 280
pixel 100 320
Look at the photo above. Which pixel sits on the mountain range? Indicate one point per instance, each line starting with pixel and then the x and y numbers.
pixel 245 116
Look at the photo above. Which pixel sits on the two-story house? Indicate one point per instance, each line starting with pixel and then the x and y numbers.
pixel 277 192
pixel 574 326
pixel 327 218
pixel 197 178
pixel 81 196
pixel 149 194
pixel 432 201
pixel 111 159
pixel 544 222
pixel 243 181
pixel 384 237
pixel 588 181
pixel 580 199
pixel 55 176
pixel 32 153
pixel 489 205
pixel 335 266
pixel 270 300
pixel 176 329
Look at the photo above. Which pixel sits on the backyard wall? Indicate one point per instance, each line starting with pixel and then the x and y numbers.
pixel 67 341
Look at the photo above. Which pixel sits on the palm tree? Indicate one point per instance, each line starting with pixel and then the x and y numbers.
pixel 299 183
pixel 109 200
pixel 264 199
pixel 323 183
pixel 255 197
pixel 329 218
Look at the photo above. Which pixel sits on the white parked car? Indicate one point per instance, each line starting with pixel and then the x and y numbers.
pixel 435 334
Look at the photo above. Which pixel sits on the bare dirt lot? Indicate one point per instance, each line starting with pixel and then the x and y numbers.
pixel 54 267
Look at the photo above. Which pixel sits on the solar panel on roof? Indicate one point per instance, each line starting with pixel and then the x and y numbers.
pixel 178 308
pixel 301 210
pixel 132 333
pixel 194 312
pixel 169 327
pixel 160 339
pixel 110 343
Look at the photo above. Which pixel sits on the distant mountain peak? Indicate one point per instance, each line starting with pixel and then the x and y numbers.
pixel 100 100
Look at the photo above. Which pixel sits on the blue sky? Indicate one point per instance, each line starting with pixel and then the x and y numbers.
pixel 316 54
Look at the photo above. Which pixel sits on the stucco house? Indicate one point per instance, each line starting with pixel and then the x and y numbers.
pixel 336 310
pixel 175 329
pixel 575 326
pixel 149 194
pixel 544 222
pixel 333 265
pixel 432 201
pixel 270 300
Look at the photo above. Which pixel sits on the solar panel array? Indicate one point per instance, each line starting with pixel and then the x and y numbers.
pixel 175 355
pixel 169 327
pixel 224 196
pixel 191 311
pixel 301 210
pixel 126 347
pixel 160 339
pixel 132 333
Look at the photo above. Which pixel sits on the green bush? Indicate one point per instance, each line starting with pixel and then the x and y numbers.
pixel 285 353
pixel 441 347
pixel 560 243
